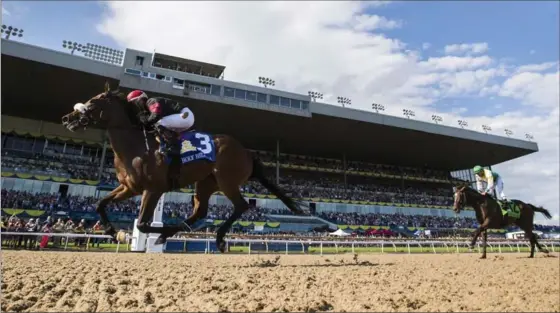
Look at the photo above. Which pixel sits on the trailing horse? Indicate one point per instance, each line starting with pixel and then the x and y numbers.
pixel 213 163
pixel 490 216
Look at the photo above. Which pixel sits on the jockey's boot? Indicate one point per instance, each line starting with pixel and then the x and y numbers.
pixel 170 139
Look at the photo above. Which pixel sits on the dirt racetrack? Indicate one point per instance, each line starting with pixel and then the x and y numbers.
pixel 89 282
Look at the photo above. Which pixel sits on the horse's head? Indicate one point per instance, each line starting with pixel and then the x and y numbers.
pixel 460 198
pixel 107 109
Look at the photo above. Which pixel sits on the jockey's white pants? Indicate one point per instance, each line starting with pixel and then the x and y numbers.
pixel 500 189
pixel 176 122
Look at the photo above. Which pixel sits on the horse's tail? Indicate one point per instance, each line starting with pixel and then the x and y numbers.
pixel 258 173
pixel 541 210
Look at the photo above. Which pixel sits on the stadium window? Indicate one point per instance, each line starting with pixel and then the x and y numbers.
pixel 285 102
pixel 216 90
pixel 133 72
pixel 145 74
pixel 139 60
pixel 229 92
pixel 304 105
pixel 152 75
pixel 296 104
pixel 160 77
pixel 240 94
pixel 252 96
pixel 274 100
pixel 178 82
pixel 261 97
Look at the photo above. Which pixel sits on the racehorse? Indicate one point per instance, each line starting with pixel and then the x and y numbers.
pixel 141 170
pixel 490 216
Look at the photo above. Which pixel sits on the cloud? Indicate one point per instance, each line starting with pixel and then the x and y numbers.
pixel 426 46
pixel 474 48
pixel 338 48
pixel 537 67
pixel 532 52
pixel 5 12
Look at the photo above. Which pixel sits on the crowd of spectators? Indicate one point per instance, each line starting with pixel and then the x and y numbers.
pixel 52 203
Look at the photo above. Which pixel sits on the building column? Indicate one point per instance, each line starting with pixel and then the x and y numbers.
pixel 277 161
pixel 102 162
pixel 344 169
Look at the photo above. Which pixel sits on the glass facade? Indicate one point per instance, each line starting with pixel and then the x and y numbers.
pixel 229 92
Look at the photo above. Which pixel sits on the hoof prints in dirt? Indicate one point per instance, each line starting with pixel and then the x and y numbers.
pixel 97 282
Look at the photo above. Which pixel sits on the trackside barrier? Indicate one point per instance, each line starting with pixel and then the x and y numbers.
pixel 209 243
pixel 64 235
pixel 428 246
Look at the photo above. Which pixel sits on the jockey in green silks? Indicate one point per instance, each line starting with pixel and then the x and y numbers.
pixel 493 181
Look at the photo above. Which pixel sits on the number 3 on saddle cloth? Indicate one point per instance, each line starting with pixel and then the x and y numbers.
pixel 194 146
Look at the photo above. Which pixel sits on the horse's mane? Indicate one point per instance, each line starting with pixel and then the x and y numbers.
pixel 131 110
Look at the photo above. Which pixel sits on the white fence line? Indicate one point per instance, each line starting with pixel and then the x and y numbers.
pixel 65 235
pixel 550 244
pixel 430 244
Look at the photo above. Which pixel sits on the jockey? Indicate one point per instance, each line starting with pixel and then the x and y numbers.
pixel 168 117
pixel 492 179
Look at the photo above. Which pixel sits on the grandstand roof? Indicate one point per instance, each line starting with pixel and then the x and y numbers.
pixel 35 87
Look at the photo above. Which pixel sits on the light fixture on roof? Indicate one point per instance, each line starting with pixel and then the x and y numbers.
pixel 344 101
pixel 266 81
pixel 508 132
pixel 486 128
pixel 462 123
pixel 104 54
pixel 315 95
pixel 74 46
pixel 529 137
pixel 437 119
pixel 377 107
pixel 408 113
pixel 11 31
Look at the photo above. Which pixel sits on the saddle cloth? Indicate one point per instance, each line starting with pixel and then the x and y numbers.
pixel 194 146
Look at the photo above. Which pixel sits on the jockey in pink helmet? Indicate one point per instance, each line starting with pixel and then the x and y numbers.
pixel 168 117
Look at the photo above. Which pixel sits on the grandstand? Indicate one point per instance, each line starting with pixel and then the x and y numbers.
pixel 357 170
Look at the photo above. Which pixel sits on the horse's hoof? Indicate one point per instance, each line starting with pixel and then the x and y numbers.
pixel 120 237
pixel 111 232
pixel 483 257
pixel 221 244
pixel 161 240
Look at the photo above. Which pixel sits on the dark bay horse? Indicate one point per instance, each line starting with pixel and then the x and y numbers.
pixel 144 172
pixel 489 216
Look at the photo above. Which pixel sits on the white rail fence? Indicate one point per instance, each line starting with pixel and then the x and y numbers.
pixel 384 245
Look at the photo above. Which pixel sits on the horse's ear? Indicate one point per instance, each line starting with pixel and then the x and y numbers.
pixel 107 86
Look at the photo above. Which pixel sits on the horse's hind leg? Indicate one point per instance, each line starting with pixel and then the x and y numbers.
pixel 203 190
pixel 541 248
pixel 484 239
pixel 147 208
pixel 240 206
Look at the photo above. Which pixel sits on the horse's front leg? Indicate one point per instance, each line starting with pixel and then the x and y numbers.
pixel 484 239
pixel 118 194
pixel 147 208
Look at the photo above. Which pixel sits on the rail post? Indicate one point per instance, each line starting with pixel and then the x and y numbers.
pixel 353 247
pixel 552 246
pixel 286 248
pixel 457 245
pixel 500 248
pixel 336 247
pixel 433 248
pixel 118 246
pixel 249 247
pixel 266 245
pixel 382 250
pixel 518 250
pixel 408 246
pixel 321 248
pixel 302 248
pixel 66 243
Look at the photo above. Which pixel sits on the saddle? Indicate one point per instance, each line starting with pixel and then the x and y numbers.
pixel 509 208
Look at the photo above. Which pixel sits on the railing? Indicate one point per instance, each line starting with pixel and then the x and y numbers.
pixel 383 245
pixel 64 235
